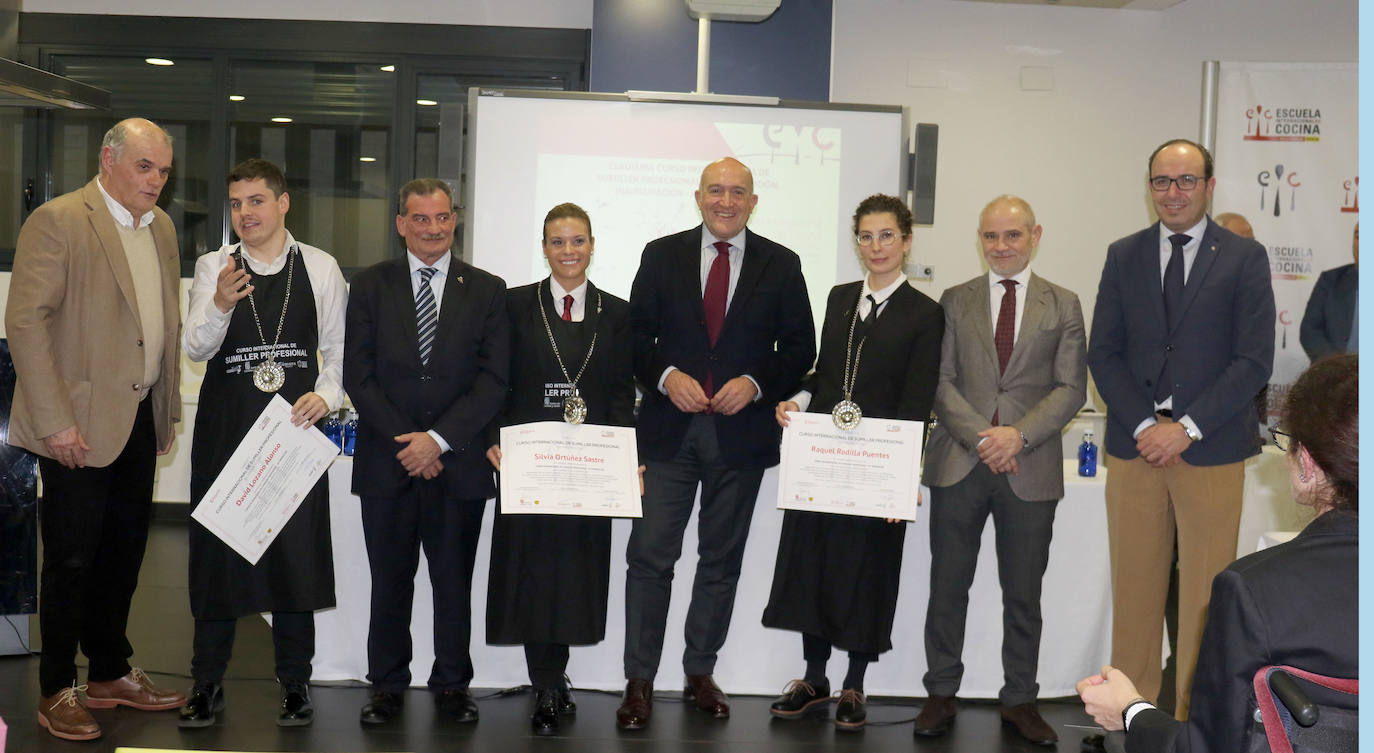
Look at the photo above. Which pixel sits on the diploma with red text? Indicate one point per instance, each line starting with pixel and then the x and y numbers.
pixel 872 470
pixel 558 468
pixel 265 480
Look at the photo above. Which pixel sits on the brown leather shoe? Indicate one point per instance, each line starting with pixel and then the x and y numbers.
pixel 936 716
pixel 1029 724
pixel 637 706
pixel 134 690
pixel 707 695
pixel 64 716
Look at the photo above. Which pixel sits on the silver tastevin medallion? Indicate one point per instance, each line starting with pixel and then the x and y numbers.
pixel 574 409
pixel 846 413
pixel 269 376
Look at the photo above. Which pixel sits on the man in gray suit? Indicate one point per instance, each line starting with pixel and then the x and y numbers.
pixel 1013 372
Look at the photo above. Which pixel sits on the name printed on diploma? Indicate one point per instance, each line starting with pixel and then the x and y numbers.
pixel 872 470
pixel 553 467
pixel 265 480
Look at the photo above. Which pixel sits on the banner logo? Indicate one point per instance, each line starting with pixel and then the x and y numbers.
pixel 1352 195
pixel 1283 123
pixel 1290 263
pixel 1277 179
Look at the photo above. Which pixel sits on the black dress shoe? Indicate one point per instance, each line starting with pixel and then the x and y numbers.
pixel 703 691
pixel 382 706
pixel 850 715
pixel 545 719
pixel 637 706
pixel 457 703
pixel 800 698
pixel 1093 744
pixel 296 709
pixel 207 699
pixel 566 705
pixel 936 716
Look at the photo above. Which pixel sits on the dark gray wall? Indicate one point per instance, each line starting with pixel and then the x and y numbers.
pixel 652 44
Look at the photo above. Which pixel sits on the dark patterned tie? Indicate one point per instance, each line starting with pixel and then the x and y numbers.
pixel 1173 307
pixel 872 309
pixel 567 308
pixel 1005 335
pixel 713 300
pixel 426 314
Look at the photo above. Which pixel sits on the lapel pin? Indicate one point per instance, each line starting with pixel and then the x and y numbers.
pixel 460 279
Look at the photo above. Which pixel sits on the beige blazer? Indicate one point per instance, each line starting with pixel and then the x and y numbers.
pixel 74 329
pixel 1042 389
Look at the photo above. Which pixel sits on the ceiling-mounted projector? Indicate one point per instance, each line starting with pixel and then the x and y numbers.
pixel 732 10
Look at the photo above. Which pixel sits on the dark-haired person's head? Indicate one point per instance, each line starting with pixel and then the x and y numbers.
pixel 1321 417
pixel 259 169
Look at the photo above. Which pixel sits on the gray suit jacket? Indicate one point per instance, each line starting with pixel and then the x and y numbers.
pixel 1043 387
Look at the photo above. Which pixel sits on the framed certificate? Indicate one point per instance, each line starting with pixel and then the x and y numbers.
pixel 872 470
pixel 558 468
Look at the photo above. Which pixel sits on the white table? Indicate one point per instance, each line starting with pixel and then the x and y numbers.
pixel 757 660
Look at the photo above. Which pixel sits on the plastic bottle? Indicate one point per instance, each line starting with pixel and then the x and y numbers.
pixel 333 428
pixel 1087 455
pixel 350 433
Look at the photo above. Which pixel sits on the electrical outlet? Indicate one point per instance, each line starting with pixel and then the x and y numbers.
pixel 923 271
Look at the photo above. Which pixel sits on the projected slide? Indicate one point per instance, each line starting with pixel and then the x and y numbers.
pixel 634 167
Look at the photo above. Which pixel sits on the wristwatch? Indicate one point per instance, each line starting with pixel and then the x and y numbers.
pixel 1025 441
pixel 1192 433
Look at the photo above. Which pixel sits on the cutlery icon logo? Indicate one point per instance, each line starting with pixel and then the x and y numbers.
pixel 1277 179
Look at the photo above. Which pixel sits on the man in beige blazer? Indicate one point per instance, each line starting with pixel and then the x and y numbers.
pixel 1013 372
pixel 93 327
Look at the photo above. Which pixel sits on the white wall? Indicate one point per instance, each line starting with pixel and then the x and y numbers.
pixel 563 14
pixel 1124 81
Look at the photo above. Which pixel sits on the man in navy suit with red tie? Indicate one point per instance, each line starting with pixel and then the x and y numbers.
pixel 1178 363
pixel 722 331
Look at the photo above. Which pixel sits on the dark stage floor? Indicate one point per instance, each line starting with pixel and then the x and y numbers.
pixel 160 631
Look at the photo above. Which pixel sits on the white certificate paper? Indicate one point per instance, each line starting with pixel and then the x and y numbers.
pixel 874 470
pixel 265 480
pixel 558 468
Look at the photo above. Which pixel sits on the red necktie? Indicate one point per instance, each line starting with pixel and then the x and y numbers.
pixel 1005 336
pixel 713 299
pixel 567 308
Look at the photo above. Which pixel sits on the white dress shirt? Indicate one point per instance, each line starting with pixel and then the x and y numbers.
pixel 436 286
pixel 998 290
pixel 121 215
pixel 1166 251
pixel 579 294
pixel 206 325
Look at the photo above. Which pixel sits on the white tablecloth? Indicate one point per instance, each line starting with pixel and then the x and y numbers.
pixel 1076 603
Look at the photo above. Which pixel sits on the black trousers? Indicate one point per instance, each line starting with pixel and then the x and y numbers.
pixel 957 516
pixel 394 530
pixel 293 642
pixel 94 524
pixel 547 663
pixel 727 509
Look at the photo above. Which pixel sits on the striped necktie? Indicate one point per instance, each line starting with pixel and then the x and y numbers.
pixel 426 314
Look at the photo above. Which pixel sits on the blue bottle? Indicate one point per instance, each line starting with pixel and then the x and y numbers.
pixel 1087 455
pixel 333 428
pixel 350 433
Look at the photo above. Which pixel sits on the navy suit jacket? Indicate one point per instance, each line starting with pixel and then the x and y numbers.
pixel 456 394
pixel 1296 604
pixel 1220 348
pixel 1330 312
pixel 768 334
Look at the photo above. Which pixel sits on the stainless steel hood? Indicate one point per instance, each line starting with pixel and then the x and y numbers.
pixel 25 86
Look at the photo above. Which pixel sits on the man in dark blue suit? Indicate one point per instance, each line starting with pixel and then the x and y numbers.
pixel 1329 323
pixel 1178 363
pixel 426 362
pixel 722 331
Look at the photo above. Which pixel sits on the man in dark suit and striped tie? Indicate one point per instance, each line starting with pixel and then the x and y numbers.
pixel 426 359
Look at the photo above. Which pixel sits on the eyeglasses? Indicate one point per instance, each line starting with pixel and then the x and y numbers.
pixel 1282 439
pixel 1161 183
pixel 884 238
pixel 424 220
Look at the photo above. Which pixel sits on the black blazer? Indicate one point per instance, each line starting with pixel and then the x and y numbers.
pixel 457 394
pixel 900 363
pixel 1330 312
pixel 1221 348
pixel 1296 604
pixel 608 384
pixel 768 334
